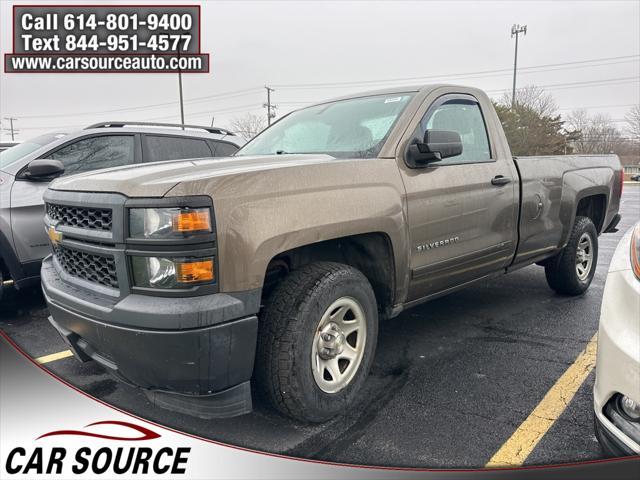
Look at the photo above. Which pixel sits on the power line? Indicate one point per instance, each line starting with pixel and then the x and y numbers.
pixel 494 90
pixel 586 107
pixel 557 86
pixel 627 58
pixel 254 106
pixel 194 114
pixel 214 111
pixel 253 90
pixel 553 86
pixel 218 96
pixel 601 82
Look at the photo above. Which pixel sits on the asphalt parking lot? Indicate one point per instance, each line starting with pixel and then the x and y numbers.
pixel 452 380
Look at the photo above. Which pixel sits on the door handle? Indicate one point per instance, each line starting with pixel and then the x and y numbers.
pixel 500 180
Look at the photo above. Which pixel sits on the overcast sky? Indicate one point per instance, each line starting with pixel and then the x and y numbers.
pixel 355 46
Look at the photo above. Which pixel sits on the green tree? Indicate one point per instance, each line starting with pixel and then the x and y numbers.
pixel 530 133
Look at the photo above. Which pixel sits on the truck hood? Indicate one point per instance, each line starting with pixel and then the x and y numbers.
pixel 156 179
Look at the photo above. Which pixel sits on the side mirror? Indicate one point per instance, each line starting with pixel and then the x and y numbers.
pixel 437 144
pixel 43 170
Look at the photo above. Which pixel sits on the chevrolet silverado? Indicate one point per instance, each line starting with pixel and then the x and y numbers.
pixel 198 279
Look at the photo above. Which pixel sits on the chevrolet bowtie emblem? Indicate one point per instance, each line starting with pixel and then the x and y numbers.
pixel 54 235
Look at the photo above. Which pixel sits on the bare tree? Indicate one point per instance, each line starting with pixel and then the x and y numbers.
pixel 577 122
pixel 248 125
pixel 633 123
pixel 533 125
pixel 534 98
pixel 593 134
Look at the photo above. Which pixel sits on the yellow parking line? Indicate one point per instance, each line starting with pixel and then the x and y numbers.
pixel 516 450
pixel 54 356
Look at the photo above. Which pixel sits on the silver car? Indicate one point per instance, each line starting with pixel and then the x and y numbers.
pixel 27 168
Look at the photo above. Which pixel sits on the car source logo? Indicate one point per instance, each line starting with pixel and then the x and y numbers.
pixel 122 456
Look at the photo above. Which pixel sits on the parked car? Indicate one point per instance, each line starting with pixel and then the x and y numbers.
pixel 635 178
pixel 289 252
pixel 616 395
pixel 26 170
pixel 6 145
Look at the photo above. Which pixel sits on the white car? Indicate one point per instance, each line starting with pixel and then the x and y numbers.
pixel 616 395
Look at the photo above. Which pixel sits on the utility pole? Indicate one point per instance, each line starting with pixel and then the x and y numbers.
pixel 516 30
pixel 11 119
pixel 270 108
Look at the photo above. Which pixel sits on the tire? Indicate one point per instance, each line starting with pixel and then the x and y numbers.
pixel 290 372
pixel 563 272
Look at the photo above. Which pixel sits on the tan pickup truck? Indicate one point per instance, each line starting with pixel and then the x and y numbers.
pixel 195 279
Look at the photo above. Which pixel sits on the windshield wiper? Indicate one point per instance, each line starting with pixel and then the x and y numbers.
pixel 281 152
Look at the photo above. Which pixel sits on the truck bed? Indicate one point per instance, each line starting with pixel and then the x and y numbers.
pixel 551 188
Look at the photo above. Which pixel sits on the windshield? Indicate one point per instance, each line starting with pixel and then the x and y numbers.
pixel 13 154
pixel 352 128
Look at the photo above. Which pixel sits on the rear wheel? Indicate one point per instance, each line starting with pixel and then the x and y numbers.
pixel 571 271
pixel 317 340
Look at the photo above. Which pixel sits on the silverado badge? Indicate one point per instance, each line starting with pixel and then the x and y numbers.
pixel 440 243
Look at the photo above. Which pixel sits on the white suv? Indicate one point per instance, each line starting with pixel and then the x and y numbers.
pixel 617 389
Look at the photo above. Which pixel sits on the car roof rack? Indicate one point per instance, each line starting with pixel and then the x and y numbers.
pixel 220 131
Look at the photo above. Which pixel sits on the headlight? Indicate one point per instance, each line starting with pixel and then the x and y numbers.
pixel 635 251
pixel 165 272
pixel 168 222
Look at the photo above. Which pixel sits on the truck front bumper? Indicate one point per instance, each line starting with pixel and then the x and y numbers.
pixel 203 371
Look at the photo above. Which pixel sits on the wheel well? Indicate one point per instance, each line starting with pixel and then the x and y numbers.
pixel 4 269
pixel 593 207
pixel 371 253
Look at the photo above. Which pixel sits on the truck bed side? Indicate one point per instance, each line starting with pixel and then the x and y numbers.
pixel 551 191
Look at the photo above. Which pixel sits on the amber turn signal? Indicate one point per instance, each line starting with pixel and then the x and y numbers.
pixel 635 251
pixel 192 221
pixel 195 272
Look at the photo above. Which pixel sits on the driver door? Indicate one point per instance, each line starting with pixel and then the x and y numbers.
pixel 461 225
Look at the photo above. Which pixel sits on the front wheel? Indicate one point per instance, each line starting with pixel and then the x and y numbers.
pixel 571 271
pixel 316 342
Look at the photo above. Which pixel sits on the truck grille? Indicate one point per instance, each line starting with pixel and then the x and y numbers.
pixel 90 218
pixel 88 266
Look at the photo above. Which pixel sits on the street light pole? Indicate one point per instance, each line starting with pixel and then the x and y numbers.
pixel 181 99
pixel 180 91
pixel 516 30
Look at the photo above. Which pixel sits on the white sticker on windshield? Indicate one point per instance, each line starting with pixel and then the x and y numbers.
pixel 391 100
